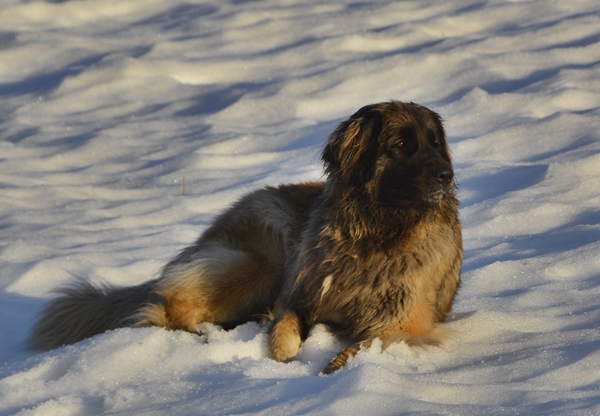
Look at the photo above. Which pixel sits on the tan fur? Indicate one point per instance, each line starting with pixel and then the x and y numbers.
pixel 373 252
pixel 204 290
pixel 285 339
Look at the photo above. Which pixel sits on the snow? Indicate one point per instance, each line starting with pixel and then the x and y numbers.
pixel 106 106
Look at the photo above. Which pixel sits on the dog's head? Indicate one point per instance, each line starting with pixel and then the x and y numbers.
pixel 397 152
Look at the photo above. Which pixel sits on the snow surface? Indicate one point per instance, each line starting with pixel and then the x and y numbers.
pixel 107 105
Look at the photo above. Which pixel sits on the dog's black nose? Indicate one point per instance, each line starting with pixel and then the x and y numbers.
pixel 444 175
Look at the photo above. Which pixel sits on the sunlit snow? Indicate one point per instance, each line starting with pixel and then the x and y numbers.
pixel 107 105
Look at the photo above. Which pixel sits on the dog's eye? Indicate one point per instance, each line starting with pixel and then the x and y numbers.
pixel 406 136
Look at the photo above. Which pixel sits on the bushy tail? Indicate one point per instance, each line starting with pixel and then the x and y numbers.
pixel 84 309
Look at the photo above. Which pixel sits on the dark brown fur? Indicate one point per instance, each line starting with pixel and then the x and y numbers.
pixel 373 252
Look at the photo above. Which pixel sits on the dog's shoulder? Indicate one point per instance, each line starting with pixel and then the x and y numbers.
pixel 300 194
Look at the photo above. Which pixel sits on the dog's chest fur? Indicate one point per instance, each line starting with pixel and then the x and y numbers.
pixel 362 287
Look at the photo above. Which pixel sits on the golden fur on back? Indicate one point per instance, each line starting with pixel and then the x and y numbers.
pixel 373 252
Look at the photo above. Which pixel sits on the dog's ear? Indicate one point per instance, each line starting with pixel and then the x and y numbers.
pixel 351 151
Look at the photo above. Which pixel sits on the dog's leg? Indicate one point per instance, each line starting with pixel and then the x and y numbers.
pixel 447 290
pixel 418 328
pixel 434 337
pixel 219 285
pixel 341 359
pixel 285 338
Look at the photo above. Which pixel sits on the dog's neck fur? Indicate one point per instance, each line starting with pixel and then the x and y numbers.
pixel 355 216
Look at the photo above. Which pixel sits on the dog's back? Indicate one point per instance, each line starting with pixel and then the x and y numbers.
pixel 232 274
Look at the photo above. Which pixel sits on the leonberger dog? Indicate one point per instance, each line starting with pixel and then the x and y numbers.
pixel 374 251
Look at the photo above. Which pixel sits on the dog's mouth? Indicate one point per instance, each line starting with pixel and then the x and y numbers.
pixel 439 192
pixel 408 200
pixel 435 197
pixel 425 190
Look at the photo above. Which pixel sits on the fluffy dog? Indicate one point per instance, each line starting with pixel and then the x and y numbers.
pixel 375 251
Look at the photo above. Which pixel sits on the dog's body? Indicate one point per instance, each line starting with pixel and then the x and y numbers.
pixel 373 252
